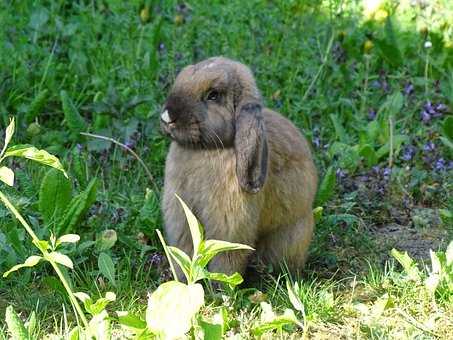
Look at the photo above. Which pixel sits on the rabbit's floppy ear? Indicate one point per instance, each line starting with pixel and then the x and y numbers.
pixel 250 144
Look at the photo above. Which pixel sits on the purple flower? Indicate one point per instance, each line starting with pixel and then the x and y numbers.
pixel 316 142
pixel 425 116
pixel 429 147
pixel 387 172
pixel 408 153
pixel 408 89
pixel 371 114
pixel 376 169
pixel 440 164
pixel 340 173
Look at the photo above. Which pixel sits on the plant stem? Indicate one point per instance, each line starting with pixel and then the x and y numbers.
pixel 321 67
pixel 161 238
pixel 391 141
pixel 150 176
pixel 46 256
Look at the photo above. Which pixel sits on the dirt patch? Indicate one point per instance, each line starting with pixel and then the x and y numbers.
pixel 417 242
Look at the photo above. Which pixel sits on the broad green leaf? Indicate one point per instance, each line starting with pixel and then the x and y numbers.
pixel 182 259
pixel 368 153
pixel 447 128
pixel 394 103
pixel 29 262
pixel 68 238
pixel 73 119
pixel 74 334
pixel 130 320
pixel 380 305
pixel 233 280
pixel 211 331
pixel 61 259
pixel 40 156
pixel 195 228
pixel 172 307
pixel 8 135
pixel 42 244
pixel 213 247
pixel 54 195
pixel 107 267
pixel 77 208
pixel 447 142
pixel 106 240
pixel 327 187
pixel 7 175
pixel 15 325
pixel 408 264
pixel 100 326
pixel 293 298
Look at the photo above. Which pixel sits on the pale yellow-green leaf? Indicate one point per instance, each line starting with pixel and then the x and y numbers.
pixel 171 308
pixel 293 298
pixel 110 296
pixel 7 175
pixel 30 262
pixel 195 228
pixel 213 247
pixel 449 254
pixel 82 296
pixel 8 135
pixel 61 259
pixel 32 153
pixel 68 238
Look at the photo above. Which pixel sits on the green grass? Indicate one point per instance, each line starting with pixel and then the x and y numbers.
pixel 310 65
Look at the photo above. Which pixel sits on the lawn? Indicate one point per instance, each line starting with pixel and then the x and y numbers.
pixel 369 83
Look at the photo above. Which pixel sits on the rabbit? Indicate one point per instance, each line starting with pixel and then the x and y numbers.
pixel 244 170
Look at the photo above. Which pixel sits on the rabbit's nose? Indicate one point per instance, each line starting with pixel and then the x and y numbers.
pixel 165 117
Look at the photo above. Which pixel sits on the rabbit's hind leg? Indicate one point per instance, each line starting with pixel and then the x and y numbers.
pixel 288 244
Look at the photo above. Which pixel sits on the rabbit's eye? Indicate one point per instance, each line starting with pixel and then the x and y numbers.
pixel 213 95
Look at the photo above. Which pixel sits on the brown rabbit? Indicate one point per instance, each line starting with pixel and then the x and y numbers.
pixel 245 171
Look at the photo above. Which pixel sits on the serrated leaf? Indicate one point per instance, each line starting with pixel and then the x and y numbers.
pixel 172 307
pixel 15 325
pixel 211 248
pixel 327 187
pixel 29 262
pixel 54 195
pixel 68 238
pixel 195 228
pixel 408 264
pixel 32 153
pixel 270 321
pixel 8 135
pixel 35 107
pixel 107 267
pixel 73 119
pixel 77 208
pixel 233 280
pixel 61 259
pixel 7 175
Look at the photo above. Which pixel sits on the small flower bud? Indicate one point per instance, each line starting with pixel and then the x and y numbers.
pixel 144 15
pixel 179 19
pixel 428 44
pixel 367 46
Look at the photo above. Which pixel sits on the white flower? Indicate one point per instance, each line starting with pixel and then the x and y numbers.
pixel 428 44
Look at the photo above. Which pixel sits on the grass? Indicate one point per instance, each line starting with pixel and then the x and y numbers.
pixel 351 84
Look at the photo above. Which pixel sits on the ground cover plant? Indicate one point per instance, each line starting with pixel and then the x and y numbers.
pixel 370 83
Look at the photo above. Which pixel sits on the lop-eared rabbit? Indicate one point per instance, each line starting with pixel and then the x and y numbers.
pixel 244 170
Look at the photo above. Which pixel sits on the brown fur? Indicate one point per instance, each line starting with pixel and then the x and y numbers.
pixel 253 181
